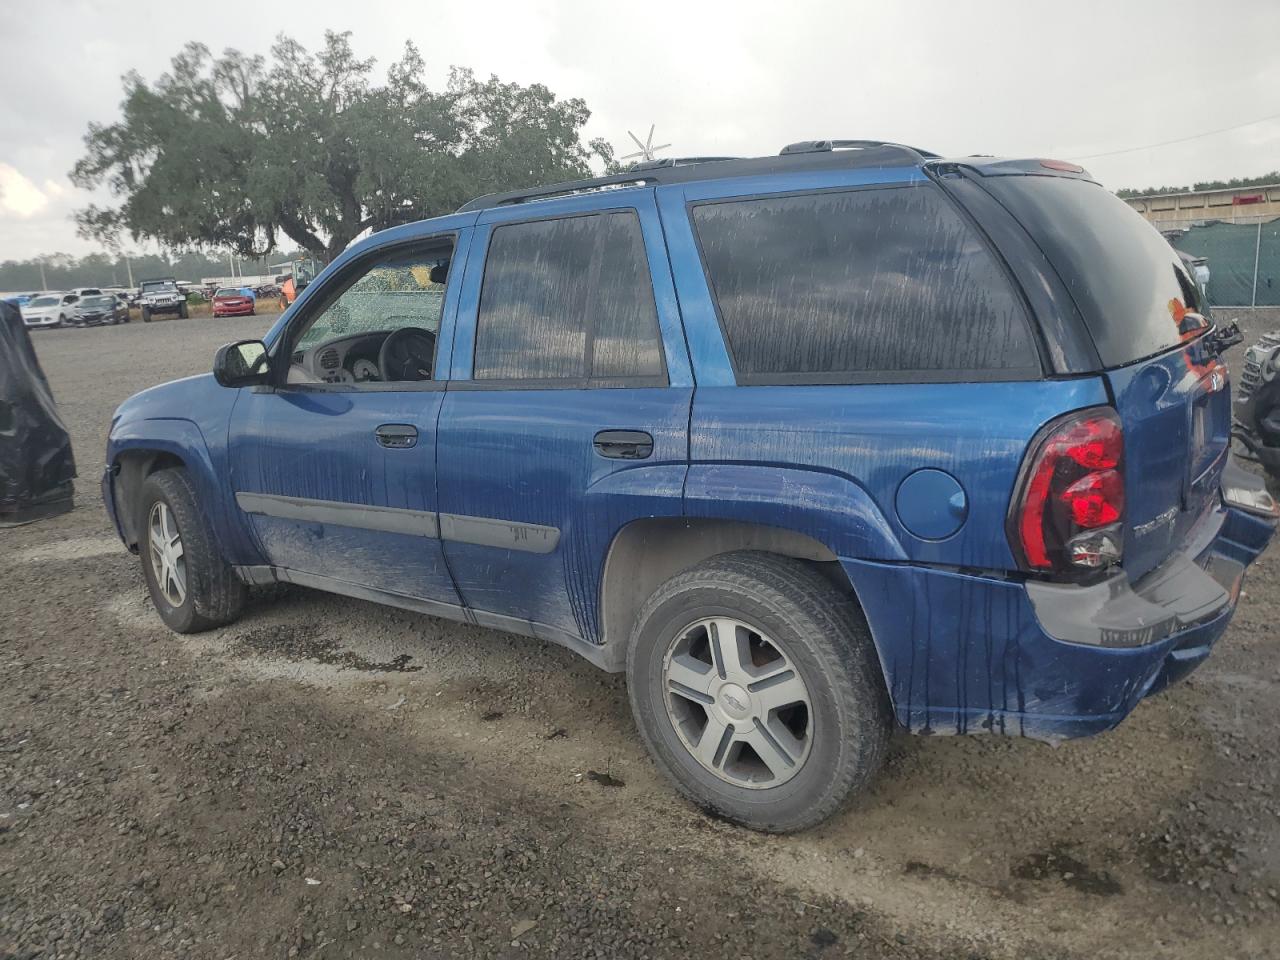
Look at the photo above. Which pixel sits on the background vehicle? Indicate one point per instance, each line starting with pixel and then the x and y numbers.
pixel 87 291
pixel 1257 423
pixel 160 297
pixel 808 445
pixel 93 311
pixel 304 271
pixel 232 302
pixel 49 310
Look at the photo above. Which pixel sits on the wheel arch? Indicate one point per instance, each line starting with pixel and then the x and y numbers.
pixel 645 553
pixel 131 468
pixel 140 447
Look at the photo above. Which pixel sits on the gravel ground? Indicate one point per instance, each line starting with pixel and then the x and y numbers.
pixel 328 778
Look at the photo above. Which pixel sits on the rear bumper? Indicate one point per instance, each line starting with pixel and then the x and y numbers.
pixel 970 654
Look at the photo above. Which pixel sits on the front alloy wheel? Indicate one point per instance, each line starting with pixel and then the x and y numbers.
pixel 738 703
pixel 167 560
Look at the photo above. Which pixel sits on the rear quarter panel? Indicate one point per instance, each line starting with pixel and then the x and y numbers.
pixel 828 460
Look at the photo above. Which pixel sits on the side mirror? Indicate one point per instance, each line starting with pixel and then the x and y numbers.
pixel 242 364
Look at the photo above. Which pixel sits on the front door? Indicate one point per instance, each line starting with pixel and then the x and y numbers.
pixel 335 464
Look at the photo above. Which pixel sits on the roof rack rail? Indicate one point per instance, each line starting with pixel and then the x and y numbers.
pixel 675 162
pixel 826 146
pixel 568 188
pixel 812 155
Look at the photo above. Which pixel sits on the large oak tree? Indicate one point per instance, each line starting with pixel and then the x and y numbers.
pixel 232 151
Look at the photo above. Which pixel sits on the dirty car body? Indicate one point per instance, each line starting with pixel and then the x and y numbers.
pixel 977 398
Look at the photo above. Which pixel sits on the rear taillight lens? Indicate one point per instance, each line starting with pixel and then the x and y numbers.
pixel 1067 513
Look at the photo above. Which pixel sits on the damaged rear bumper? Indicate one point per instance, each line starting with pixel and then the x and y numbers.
pixel 1054 661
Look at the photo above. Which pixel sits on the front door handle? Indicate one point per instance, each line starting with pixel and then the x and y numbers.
pixel 624 444
pixel 397 436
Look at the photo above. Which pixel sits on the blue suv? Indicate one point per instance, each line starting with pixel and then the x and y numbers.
pixel 812 446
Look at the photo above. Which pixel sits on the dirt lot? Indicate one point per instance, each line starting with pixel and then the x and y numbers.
pixel 328 778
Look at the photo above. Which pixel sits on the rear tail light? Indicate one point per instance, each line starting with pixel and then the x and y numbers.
pixel 1067 514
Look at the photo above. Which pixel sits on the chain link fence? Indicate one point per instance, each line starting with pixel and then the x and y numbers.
pixel 1244 259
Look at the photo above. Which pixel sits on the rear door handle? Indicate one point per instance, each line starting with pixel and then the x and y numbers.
pixel 397 436
pixel 624 444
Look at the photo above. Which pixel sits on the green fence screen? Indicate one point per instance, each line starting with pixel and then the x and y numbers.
pixel 1233 250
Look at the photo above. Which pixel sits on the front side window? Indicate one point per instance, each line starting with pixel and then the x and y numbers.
pixel 380 325
pixel 568 299
pixel 884 283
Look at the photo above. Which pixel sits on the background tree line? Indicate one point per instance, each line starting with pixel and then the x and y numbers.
pixel 1266 178
pixel 236 152
pixel 62 271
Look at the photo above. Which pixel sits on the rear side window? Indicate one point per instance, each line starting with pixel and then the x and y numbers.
pixel 878 284
pixel 568 299
pixel 1128 282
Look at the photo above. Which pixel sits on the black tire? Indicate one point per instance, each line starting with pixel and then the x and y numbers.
pixel 825 637
pixel 146 315
pixel 182 312
pixel 215 596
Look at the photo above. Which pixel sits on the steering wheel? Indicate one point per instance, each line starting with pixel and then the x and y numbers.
pixel 407 354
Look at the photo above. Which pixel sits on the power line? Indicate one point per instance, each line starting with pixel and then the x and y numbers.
pixel 1166 143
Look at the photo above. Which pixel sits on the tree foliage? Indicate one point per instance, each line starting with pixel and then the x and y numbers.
pixel 1265 179
pixel 231 151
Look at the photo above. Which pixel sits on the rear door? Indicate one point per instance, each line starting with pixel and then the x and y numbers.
pixel 1142 309
pixel 567 411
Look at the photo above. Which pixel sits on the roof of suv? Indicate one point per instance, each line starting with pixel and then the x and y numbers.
pixel 807 155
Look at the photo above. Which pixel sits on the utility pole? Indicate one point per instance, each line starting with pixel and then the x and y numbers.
pixel 44 284
pixel 129 266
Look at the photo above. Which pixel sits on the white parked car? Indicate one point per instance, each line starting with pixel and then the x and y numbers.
pixel 50 310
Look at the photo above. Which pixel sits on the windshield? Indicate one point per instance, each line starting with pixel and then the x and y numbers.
pixel 159 287
pixel 44 302
pixel 97 303
pixel 228 292
pixel 1131 287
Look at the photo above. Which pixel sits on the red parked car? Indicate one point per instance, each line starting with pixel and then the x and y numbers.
pixel 229 302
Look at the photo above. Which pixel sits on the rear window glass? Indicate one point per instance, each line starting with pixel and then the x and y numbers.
pixel 866 284
pixel 1127 280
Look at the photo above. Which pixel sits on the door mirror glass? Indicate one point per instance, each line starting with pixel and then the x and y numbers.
pixel 242 364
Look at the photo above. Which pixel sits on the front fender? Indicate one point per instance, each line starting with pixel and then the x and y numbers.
pixel 184 440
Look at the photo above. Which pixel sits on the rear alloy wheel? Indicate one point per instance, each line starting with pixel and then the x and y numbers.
pixel 737 703
pixel 192 586
pixel 756 687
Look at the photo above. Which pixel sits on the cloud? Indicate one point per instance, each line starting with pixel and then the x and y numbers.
pixel 20 197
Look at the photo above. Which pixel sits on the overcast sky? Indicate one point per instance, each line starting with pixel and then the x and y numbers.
pixel 1064 79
